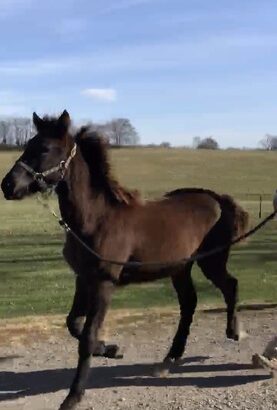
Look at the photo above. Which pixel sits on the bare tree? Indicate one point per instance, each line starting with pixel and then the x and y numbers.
pixel 25 131
pixel 4 131
pixel 269 142
pixel 120 131
pixel 15 131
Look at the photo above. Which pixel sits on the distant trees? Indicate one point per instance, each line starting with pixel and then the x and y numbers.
pixel 4 131
pixel 15 131
pixel 165 144
pixel 205 143
pixel 269 142
pixel 119 131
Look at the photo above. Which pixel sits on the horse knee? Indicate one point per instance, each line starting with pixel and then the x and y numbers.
pixel 86 347
pixel 75 325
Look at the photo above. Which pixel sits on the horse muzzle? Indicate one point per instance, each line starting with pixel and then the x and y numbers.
pixel 8 187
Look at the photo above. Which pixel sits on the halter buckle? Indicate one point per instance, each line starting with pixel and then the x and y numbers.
pixel 38 176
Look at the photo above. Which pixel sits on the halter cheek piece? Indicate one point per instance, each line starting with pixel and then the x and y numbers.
pixel 40 176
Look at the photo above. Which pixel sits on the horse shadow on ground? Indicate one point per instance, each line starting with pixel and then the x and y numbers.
pixel 50 381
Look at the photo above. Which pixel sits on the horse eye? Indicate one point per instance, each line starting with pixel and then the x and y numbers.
pixel 44 150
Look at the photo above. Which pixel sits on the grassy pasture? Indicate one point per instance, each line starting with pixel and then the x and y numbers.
pixel 35 280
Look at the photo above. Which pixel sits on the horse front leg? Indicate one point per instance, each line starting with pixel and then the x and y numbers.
pixel 183 284
pixel 76 317
pixel 187 298
pixel 101 294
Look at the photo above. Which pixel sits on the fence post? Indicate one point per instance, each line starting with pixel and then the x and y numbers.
pixel 260 210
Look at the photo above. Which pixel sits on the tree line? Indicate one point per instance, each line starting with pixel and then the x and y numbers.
pixel 119 131
pixel 17 131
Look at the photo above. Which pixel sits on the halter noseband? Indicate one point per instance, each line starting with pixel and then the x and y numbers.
pixel 62 167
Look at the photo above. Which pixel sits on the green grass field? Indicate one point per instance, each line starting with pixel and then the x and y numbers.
pixel 35 280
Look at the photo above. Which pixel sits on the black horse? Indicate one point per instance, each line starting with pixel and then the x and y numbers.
pixel 120 226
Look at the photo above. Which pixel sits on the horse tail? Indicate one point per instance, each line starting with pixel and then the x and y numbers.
pixel 238 218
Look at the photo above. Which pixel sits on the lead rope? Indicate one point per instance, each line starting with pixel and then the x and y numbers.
pixel 194 258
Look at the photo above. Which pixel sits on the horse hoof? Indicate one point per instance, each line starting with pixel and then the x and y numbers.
pixel 256 361
pixel 71 401
pixel 237 333
pixel 109 351
pixel 99 350
pixel 178 361
pixel 112 352
pixel 163 369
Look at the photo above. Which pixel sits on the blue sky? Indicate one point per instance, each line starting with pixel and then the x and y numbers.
pixel 176 68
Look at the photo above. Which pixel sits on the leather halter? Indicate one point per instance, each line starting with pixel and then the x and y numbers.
pixel 61 167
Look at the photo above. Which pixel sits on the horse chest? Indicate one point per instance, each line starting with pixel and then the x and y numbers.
pixel 76 256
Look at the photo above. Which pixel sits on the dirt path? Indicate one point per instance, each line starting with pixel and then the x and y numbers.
pixel 38 355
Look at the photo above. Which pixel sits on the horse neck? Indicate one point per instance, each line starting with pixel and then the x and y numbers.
pixel 81 207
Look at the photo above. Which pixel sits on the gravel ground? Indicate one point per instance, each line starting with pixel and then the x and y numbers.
pixel 39 356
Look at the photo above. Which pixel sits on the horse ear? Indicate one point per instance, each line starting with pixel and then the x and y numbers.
pixel 37 121
pixel 65 120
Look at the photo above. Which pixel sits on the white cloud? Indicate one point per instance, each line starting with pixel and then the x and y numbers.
pixel 100 94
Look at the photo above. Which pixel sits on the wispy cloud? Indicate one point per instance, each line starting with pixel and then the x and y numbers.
pixel 32 67
pixel 183 53
pixel 100 94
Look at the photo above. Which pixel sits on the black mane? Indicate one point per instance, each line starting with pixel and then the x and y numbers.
pixel 94 149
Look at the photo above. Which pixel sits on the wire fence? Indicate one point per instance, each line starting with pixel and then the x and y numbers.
pixel 260 200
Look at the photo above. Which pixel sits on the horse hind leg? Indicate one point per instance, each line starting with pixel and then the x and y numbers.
pixel 214 268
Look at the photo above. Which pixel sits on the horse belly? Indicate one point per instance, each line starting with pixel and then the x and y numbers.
pixel 142 275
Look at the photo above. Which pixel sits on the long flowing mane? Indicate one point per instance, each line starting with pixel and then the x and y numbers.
pixel 94 150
